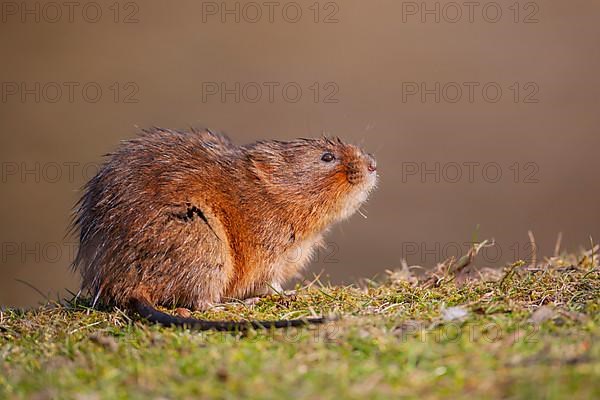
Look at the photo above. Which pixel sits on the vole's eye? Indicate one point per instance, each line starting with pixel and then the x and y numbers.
pixel 328 157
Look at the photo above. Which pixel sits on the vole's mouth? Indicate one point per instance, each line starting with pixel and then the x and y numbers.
pixel 359 192
pixel 362 170
pixel 361 176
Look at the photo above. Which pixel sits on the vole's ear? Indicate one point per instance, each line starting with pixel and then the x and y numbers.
pixel 263 169
pixel 267 166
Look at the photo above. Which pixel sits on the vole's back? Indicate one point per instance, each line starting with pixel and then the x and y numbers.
pixel 147 226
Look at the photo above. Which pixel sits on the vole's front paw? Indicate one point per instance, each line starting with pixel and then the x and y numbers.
pixel 250 301
pixel 269 290
pixel 203 305
pixel 274 288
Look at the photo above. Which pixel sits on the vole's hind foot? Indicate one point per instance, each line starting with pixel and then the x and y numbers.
pixel 183 312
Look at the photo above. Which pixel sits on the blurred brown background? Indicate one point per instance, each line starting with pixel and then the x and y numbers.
pixel 360 67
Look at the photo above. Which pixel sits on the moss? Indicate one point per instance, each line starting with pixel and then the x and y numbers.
pixel 529 331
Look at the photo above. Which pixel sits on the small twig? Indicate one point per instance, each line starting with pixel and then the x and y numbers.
pixel 510 271
pixel 46 296
pixel 533 249
pixel 86 326
pixel 123 314
pixel 557 245
pixel 316 280
pixel 393 305
pixel 326 294
pixel 293 314
pixel 468 258
pixel 274 289
pixel 590 272
pixel 592 250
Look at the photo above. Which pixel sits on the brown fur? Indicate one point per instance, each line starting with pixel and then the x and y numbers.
pixel 189 219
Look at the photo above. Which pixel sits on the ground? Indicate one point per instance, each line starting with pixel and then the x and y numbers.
pixel 530 330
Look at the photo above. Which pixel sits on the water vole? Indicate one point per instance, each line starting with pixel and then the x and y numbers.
pixel 189 219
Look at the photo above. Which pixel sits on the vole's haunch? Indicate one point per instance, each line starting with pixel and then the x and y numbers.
pixel 189 219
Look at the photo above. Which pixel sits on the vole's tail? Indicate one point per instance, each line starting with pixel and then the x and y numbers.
pixel 147 310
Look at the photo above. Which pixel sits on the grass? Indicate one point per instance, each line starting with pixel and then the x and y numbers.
pixel 528 331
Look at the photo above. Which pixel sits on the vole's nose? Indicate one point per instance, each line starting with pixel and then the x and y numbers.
pixel 371 163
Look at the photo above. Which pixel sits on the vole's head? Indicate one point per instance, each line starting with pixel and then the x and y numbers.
pixel 325 177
